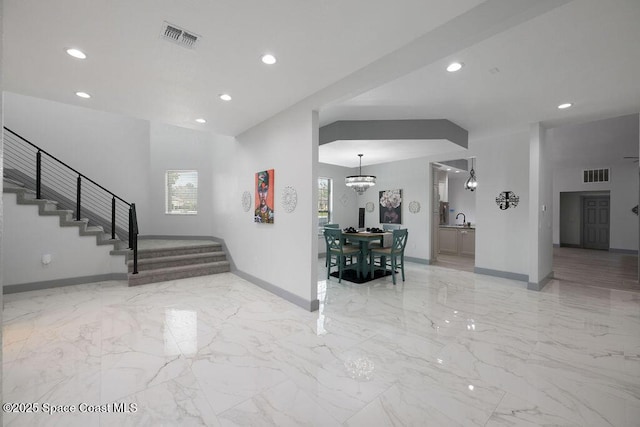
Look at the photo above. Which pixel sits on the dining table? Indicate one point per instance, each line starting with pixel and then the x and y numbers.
pixel 363 238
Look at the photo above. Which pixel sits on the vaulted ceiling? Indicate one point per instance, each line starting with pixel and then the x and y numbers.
pixel 350 60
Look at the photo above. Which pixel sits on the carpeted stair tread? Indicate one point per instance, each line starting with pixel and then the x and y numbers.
pixel 178 250
pixel 180 272
pixel 178 260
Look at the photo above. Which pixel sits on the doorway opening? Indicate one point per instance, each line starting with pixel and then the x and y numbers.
pixel 453 228
pixel 585 219
pixel 584 254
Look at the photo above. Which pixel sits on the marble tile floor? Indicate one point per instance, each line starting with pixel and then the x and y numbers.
pixel 444 348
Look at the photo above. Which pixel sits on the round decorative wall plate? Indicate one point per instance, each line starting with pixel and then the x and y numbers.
pixel 246 201
pixel 414 207
pixel 369 206
pixel 289 199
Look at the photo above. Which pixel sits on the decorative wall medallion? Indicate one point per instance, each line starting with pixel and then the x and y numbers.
pixel 246 201
pixel 369 206
pixel 635 209
pixel 507 199
pixel 414 207
pixel 344 199
pixel 289 199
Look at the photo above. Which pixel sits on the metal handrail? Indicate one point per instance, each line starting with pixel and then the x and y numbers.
pixel 64 164
pixel 133 222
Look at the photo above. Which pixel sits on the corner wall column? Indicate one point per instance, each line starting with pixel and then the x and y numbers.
pixel 540 208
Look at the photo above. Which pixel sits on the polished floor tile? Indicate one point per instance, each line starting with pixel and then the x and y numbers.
pixel 444 348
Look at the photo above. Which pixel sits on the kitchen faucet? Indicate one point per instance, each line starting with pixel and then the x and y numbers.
pixel 464 218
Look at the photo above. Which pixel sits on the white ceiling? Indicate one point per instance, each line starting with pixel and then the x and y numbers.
pixel 351 60
pixel 131 70
pixel 585 52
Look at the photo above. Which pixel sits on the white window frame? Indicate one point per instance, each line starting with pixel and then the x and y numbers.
pixel 167 196
pixel 329 204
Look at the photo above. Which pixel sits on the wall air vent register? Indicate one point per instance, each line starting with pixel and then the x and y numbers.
pixel 179 36
pixel 596 175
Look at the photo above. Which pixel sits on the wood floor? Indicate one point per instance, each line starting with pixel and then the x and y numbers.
pixel 580 266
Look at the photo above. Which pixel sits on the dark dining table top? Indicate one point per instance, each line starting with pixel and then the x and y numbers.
pixel 365 235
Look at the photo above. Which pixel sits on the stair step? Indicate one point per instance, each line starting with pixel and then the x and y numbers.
pixel 178 250
pixel 177 260
pixel 181 272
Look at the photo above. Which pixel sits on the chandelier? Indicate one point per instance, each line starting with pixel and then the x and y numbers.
pixel 360 182
pixel 472 182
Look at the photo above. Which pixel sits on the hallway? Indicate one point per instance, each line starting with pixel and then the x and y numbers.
pixel 590 267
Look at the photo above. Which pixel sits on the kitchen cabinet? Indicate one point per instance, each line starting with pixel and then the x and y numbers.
pixel 448 241
pixel 457 241
pixel 467 242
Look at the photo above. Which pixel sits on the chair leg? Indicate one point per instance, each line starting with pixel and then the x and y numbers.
pixel 341 261
pixel 402 265
pixel 328 264
pixel 371 261
pixel 393 269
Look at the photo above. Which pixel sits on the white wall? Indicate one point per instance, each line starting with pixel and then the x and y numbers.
pixel 502 236
pixel 1 191
pixel 282 255
pixel 111 149
pixel 175 148
pixel 623 187
pixel 502 163
pixel 413 177
pixel 461 200
pixel 30 236
pixel 540 208
pixel 345 200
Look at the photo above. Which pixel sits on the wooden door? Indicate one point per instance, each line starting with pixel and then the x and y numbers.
pixel 595 217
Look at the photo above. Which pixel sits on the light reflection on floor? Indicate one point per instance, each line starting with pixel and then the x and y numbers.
pixel 443 348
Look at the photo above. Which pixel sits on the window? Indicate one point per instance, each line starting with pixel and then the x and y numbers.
pixel 181 197
pixel 324 201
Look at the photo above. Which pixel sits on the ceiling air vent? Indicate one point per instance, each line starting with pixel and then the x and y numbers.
pixel 180 36
pixel 595 175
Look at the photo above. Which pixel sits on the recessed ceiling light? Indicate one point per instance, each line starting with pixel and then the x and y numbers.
pixel 457 171
pixel 83 95
pixel 448 169
pixel 201 121
pixel 76 53
pixel 225 97
pixel 454 66
pixel 565 105
pixel 269 59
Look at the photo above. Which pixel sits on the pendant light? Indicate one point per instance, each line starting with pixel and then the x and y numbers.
pixel 360 182
pixel 472 182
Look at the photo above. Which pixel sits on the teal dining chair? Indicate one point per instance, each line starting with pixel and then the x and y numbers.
pixel 385 227
pixel 336 249
pixel 327 250
pixel 393 256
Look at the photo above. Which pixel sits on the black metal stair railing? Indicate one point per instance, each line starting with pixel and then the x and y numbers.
pixel 53 179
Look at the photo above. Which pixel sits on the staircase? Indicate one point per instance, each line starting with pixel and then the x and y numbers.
pixel 177 260
pixel 156 263
pixel 50 208
pixel 59 190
